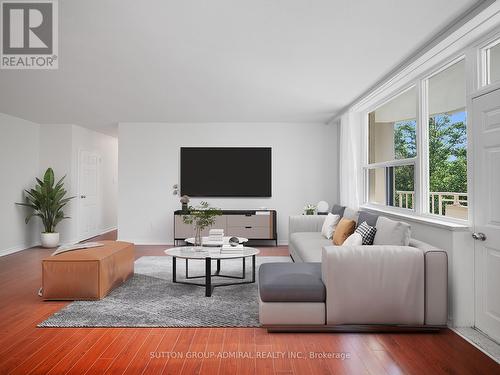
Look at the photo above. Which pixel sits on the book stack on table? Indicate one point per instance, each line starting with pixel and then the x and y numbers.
pixel 228 249
pixel 215 237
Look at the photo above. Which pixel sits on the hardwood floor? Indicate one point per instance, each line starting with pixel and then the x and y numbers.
pixel 25 349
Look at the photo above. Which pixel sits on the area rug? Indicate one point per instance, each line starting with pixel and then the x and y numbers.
pixel 151 299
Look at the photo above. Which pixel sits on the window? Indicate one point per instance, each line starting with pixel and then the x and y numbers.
pixel 392 137
pixel 491 56
pixel 447 133
pixel 394 154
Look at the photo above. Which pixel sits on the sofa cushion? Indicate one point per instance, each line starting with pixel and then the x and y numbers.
pixel 371 219
pixel 354 239
pixel 329 225
pixel 367 232
pixel 291 282
pixel 344 229
pixel 309 245
pixel 391 232
pixel 351 214
pixel 338 210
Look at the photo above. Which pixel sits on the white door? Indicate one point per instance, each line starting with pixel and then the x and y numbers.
pixel 486 211
pixel 88 195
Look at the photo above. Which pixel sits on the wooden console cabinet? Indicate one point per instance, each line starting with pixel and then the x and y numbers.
pixel 252 224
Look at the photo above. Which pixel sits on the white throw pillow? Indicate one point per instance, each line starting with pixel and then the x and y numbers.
pixel 391 232
pixel 354 239
pixel 329 225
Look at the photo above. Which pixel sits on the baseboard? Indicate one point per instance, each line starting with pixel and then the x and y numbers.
pixel 16 249
pixel 156 243
pixel 145 243
pixel 101 232
pixel 479 347
pixel 351 328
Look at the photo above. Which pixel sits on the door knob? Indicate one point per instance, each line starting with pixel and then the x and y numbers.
pixel 479 236
pixel 83 196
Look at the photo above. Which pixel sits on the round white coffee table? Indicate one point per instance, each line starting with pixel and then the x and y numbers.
pixel 225 241
pixel 188 252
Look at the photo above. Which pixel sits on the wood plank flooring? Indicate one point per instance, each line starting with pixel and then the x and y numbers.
pixel 25 349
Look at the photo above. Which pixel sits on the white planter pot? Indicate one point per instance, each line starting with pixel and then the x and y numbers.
pixel 50 239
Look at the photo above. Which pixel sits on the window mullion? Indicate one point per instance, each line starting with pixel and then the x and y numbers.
pixel 422 164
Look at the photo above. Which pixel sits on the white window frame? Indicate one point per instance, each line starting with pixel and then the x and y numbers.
pixel 421 161
pixel 367 166
pixel 484 61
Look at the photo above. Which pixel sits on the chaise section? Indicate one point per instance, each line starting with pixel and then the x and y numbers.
pixel 374 285
pixel 291 294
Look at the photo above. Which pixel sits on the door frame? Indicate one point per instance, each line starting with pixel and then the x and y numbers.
pixel 492 88
pixel 80 236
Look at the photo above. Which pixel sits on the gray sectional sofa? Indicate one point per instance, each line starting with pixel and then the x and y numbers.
pixel 360 288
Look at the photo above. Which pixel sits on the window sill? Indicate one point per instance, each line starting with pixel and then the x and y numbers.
pixel 436 222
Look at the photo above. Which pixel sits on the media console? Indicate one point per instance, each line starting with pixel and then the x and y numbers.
pixel 252 224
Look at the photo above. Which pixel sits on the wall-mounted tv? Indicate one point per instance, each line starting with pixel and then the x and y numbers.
pixel 226 171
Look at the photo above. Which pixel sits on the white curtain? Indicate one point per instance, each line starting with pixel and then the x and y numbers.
pixel 350 171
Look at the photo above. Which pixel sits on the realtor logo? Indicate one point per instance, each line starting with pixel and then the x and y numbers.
pixel 29 35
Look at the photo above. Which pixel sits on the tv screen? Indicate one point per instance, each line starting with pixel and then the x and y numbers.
pixel 226 171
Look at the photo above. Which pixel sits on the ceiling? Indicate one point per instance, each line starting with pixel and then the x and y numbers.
pixel 219 60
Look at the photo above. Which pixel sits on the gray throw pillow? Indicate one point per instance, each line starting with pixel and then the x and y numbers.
pixel 351 214
pixel 371 219
pixel 338 210
pixel 391 232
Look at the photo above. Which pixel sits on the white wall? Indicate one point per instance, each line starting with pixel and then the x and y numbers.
pixel 60 146
pixel 55 152
pixel 19 156
pixel 305 163
pixel 27 149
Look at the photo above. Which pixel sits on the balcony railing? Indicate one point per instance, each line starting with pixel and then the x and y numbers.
pixel 438 202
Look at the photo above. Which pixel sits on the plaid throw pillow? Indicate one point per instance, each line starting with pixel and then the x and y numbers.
pixel 367 233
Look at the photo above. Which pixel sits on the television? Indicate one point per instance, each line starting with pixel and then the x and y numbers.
pixel 226 171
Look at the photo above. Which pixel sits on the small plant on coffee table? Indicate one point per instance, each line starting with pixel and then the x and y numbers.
pixel 201 217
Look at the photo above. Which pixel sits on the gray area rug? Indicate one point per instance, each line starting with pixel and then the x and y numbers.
pixel 150 299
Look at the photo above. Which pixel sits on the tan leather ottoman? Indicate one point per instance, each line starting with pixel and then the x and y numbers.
pixel 87 274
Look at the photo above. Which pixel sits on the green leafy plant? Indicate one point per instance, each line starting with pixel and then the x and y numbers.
pixel 47 200
pixel 201 217
pixel 309 209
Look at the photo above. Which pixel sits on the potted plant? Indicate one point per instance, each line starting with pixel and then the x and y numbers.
pixel 201 217
pixel 185 201
pixel 47 200
pixel 309 209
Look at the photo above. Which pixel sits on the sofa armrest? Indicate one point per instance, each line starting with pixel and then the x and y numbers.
pixel 425 247
pixel 374 284
pixel 436 283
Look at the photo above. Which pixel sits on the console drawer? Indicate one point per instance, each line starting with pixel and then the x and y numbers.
pixel 252 221
pixel 250 232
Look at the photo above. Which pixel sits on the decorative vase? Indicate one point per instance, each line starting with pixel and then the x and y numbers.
pixel 50 240
pixel 197 238
pixel 184 207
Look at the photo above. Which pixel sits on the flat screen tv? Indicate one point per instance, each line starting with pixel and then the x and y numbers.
pixel 226 171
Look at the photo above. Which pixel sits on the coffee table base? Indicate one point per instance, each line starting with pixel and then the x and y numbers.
pixel 209 286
